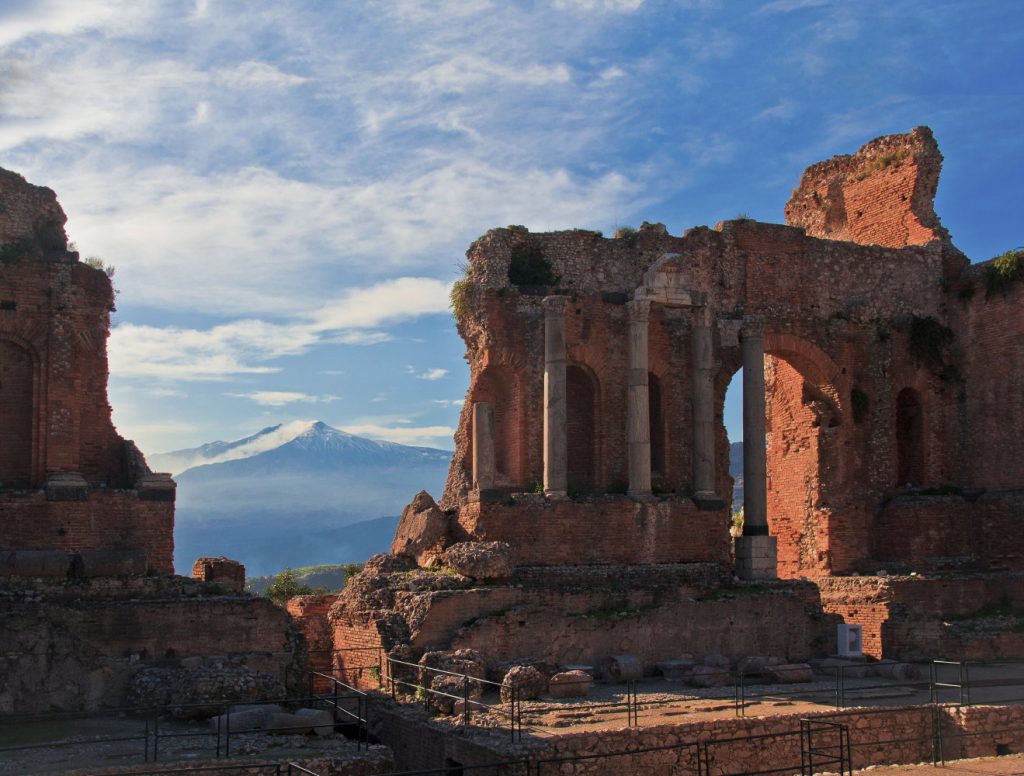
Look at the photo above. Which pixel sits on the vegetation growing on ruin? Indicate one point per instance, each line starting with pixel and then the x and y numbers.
pixel 285 586
pixel 624 232
pixel 528 267
pixel 12 252
pixel 860 404
pixel 95 262
pixel 462 293
pixel 927 341
pixel 620 611
pixel 883 161
pixel 1003 271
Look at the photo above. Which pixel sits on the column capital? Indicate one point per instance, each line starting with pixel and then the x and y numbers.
pixel 701 316
pixel 638 309
pixel 753 326
pixel 554 305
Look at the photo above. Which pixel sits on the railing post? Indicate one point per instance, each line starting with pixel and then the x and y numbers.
pixel 334 714
pixel 465 700
pixel 156 736
pixel 146 754
pixel 227 732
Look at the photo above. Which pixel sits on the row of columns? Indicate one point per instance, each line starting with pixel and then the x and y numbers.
pixel 755 551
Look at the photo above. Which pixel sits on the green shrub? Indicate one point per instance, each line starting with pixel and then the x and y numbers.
pixel 528 267
pixel 462 294
pixel 286 586
pixel 927 342
pixel 1003 271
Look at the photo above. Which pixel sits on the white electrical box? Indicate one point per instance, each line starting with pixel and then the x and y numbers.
pixel 850 640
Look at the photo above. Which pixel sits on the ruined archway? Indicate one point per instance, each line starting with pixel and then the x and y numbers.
pixel 909 438
pixel 17 370
pixel 501 386
pixel 581 421
pixel 802 414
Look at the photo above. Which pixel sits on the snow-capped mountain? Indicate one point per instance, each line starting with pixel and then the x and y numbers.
pixel 287 495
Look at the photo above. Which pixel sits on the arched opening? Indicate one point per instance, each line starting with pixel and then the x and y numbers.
pixel 657 428
pixel 909 438
pixel 802 411
pixel 580 425
pixel 501 386
pixel 16 374
pixel 732 416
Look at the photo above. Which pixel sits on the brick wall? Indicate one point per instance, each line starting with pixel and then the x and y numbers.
pixel 106 520
pixel 615 529
pixel 53 394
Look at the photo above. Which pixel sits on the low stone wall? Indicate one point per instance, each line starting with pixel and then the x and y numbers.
pixel 77 646
pixel 923 618
pixel 877 737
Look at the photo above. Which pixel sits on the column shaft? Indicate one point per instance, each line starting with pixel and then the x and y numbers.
pixel 704 484
pixel 555 479
pixel 483 445
pixel 755 482
pixel 638 421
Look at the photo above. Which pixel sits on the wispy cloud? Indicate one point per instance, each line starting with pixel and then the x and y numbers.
pixel 245 346
pixel 282 398
pixel 430 374
pixel 423 436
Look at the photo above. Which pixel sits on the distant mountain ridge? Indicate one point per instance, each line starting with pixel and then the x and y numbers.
pixel 295 495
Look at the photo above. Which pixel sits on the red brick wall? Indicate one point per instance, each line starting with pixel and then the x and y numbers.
pixel 609 529
pixel 107 520
pixel 16 378
pixel 53 393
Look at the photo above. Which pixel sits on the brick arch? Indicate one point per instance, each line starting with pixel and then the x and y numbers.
pixel 583 418
pixel 817 368
pixel 502 386
pixel 19 386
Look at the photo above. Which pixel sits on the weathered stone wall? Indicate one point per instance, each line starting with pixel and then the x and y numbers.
pixel 76 646
pixel 989 432
pixel 864 302
pixel 928 618
pixel 107 519
pixel 54 324
pixel 617 529
pixel 877 737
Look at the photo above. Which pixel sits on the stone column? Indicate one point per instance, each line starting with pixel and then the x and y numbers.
pixel 555 464
pixel 703 410
pixel 483 445
pixel 756 552
pixel 638 420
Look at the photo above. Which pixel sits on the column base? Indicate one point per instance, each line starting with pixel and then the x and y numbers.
pixel 556 495
pixel 757 557
pixel 708 501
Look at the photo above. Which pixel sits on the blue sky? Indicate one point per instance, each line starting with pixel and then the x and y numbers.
pixel 287 189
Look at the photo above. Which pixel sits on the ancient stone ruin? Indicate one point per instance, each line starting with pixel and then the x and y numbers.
pixel 587 508
pixel 89 606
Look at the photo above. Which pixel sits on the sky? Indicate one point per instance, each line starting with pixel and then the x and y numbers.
pixel 286 190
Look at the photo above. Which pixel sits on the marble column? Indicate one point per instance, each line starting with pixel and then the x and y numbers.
pixel 756 551
pixel 555 459
pixel 704 485
pixel 638 420
pixel 483 445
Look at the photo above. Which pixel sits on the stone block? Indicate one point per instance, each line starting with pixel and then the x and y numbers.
pixel 34 563
pixel 570 684
pixel 756 664
pixel 66 486
pixel 621 668
pixel 675 670
pixel 287 724
pixel 528 681
pixel 708 676
pixel 321 720
pixel 241 721
pixel 483 561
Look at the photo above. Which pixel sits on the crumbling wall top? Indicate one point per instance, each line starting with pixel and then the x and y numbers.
pixel 31 220
pixel 882 195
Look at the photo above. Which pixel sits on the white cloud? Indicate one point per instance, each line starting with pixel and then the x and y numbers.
pixel 282 398
pixel 244 346
pixel 422 436
pixel 67 17
pixel 432 374
pixel 617 6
